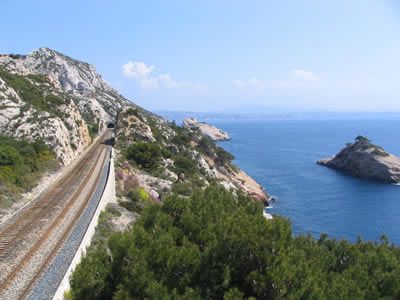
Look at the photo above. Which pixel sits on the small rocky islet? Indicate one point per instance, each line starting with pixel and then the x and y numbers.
pixel 365 160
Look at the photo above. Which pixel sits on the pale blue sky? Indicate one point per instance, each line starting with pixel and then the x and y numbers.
pixel 215 55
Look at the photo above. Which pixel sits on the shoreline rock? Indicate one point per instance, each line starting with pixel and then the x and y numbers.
pixel 363 159
pixel 205 129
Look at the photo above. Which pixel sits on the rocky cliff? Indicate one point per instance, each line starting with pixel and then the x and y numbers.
pixel 364 159
pixel 50 96
pixel 205 129
pixel 185 159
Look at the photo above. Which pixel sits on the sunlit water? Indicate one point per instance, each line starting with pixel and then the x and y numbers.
pixel 281 156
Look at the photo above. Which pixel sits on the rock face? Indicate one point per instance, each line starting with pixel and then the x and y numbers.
pixel 48 95
pixel 64 102
pixel 205 129
pixel 366 160
pixel 210 162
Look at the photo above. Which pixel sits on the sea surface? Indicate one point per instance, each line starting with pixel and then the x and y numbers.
pixel 281 154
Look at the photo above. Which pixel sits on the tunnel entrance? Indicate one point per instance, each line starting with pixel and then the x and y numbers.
pixel 111 125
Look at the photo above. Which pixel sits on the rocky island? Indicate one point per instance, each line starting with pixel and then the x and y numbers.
pixel 205 129
pixel 364 159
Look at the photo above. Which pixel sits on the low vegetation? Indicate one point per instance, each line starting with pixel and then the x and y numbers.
pixel 147 155
pixel 34 94
pixel 213 245
pixel 93 130
pixel 21 164
pixel 184 164
pixel 137 199
pixel 376 150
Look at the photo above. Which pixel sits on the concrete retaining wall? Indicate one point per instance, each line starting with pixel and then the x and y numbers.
pixel 108 196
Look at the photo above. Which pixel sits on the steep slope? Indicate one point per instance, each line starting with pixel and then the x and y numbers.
pixel 51 96
pixel 161 157
pixel 364 159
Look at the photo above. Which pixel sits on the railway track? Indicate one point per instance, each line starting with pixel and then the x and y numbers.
pixel 29 241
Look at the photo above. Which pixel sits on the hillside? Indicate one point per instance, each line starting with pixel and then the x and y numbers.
pixel 158 157
pixel 213 245
pixel 50 98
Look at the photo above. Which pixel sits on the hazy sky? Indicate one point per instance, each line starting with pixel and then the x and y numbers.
pixel 216 55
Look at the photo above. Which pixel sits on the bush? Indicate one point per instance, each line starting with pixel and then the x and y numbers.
pixel 184 164
pixel 223 156
pixel 183 189
pixel 146 155
pixel 182 137
pixel 134 201
pixel 9 156
pixel 214 245
pixel 144 196
pixel 361 138
pixel 32 94
pixel 22 162
pixel 206 146
pixel 157 133
pixel 8 175
pixel 131 111
pixel 93 130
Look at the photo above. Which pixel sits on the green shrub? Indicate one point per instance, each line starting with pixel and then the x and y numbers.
pixel 22 162
pixel 38 78
pixel 165 152
pixel 93 130
pixel 54 100
pixel 184 164
pixel 206 146
pixel 133 203
pixel 361 138
pixel 32 94
pixel 9 156
pixel 183 189
pixel 223 156
pixel 8 175
pixel 137 200
pixel 146 155
pixel 182 137
pixel 131 111
pixel 214 245
pixel 144 196
pixel 157 133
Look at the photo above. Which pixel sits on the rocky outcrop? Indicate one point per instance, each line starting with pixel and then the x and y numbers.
pixel 366 160
pixel 205 129
pixel 232 178
pixel 64 102
pixel 50 96
pixel 132 126
pixel 76 78
pixel 179 146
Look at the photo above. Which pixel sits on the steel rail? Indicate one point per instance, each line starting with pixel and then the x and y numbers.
pixel 38 208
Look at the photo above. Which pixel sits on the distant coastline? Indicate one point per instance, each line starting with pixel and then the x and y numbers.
pixel 179 116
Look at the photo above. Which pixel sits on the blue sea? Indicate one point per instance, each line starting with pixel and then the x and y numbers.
pixel 281 154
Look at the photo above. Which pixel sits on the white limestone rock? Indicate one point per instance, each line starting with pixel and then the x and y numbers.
pixel 364 159
pixel 205 129
pixel 88 100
